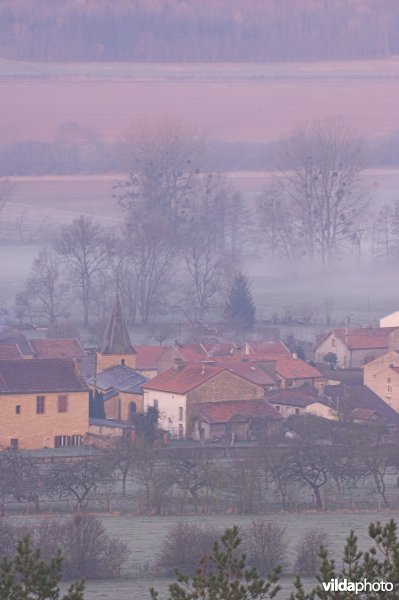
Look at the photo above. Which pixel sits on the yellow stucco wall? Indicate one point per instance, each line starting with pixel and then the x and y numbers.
pixel 104 361
pixel 118 407
pixel 34 430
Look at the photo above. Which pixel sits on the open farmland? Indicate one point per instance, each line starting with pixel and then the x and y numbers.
pixel 256 103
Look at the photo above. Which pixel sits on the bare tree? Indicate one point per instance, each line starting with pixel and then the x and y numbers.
pixel 78 479
pixel 45 295
pixel 163 161
pixel 320 168
pixel 84 247
pixel 150 253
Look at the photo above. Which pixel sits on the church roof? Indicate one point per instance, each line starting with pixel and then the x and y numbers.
pixel 117 340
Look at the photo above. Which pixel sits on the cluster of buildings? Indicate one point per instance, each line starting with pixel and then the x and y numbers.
pixel 205 392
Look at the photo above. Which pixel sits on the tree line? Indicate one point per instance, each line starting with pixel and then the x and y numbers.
pixel 183 234
pixel 169 31
pixel 328 466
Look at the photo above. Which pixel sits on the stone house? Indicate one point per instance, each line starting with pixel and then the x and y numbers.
pixel 44 404
pixel 382 377
pixel 178 392
pixel 243 420
pixel 354 347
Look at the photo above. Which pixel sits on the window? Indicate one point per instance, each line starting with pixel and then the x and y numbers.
pixel 290 383
pixel 181 413
pixel 18 409
pixel 297 411
pixel 333 342
pixel 122 362
pixel 63 404
pixel 40 405
pixel 389 391
pixel 67 440
pixel 155 403
pixel 180 431
pixel 278 408
pixel 14 443
pixel 76 440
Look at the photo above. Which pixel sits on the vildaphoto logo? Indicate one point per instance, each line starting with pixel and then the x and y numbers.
pixel 345 585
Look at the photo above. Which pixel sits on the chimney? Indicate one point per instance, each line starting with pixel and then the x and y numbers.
pixel 179 362
pixel 77 363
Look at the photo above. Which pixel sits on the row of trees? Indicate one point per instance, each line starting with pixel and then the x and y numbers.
pixel 167 31
pixel 186 233
pixel 289 475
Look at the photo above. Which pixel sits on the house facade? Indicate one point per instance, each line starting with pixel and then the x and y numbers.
pixel 354 347
pixel 178 392
pixel 382 377
pixel 44 404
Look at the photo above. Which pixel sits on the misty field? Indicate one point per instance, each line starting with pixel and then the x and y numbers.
pixel 38 206
pixel 144 536
pixel 257 103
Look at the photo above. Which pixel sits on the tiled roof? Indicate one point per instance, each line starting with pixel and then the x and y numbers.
pixel 359 396
pixel 363 338
pixel 39 376
pixel 9 352
pixel 248 370
pixel 364 414
pixel 223 412
pixel 295 368
pixel 218 349
pixel 147 356
pixel 183 380
pixel 14 337
pixel 120 378
pixel 298 397
pixel 57 348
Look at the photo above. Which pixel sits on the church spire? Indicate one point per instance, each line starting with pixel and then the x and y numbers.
pixel 117 340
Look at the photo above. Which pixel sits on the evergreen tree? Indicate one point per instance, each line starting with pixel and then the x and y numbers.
pixel 239 311
pixel 224 576
pixel 28 577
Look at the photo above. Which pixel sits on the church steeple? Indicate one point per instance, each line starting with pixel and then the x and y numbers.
pixel 117 348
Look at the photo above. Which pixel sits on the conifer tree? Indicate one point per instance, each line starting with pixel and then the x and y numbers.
pixel 224 576
pixel 28 577
pixel 239 311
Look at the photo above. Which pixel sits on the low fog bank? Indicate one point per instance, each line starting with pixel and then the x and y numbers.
pixel 77 150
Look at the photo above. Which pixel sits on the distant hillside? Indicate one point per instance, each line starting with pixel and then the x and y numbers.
pixel 198 30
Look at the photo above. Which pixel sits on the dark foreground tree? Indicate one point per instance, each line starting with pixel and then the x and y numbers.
pixel 28 577
pixel 223 575
pixel 239 311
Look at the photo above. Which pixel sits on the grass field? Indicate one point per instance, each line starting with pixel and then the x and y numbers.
pixel 230 102
pixel 144 536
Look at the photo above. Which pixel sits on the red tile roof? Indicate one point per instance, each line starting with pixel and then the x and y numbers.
pixel 147 356
pixel 248 370
pixel 295 368
pixel 223 412
pixel 364 414
pixel 39 376
pixel 183 380
pixel 9 351
pixel 363 338
pixel 57 348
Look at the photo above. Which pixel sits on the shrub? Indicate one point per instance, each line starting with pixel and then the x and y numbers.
pixel 86 548
pixel 307 561
pixel 265 545
pixel 184 546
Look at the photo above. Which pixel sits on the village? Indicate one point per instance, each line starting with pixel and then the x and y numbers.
pixel 56 393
